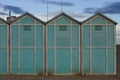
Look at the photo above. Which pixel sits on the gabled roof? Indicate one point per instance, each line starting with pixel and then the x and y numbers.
pixel 102 16
pixel 63 14
pixel 4 21
pixel 28 15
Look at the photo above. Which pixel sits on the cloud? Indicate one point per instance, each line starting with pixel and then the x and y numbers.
pixel 76 15
pixel 112 8
pixel 14 9
pixel 57 3
pixel 50 15
pixel 2 13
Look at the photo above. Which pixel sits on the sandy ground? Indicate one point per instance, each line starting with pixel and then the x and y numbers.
pixel 16 77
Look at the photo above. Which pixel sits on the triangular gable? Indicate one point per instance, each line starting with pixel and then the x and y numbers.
pixel 99 14
pixel 63 14
pixel 98 20
pixel 27 14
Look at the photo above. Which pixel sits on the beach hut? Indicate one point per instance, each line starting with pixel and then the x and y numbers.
pixel 63 45
pixel 99 45
pixel 27 45
pixel 4 47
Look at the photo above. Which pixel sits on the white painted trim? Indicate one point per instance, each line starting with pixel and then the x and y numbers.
pixel 46 50
pixel 79 47
pixel 4 24
pixel 27 47
pixel 115 65
pixel 107 25
pixel 22 18
pixel 90 48
pixel 59 18
pixel 94 18
pixel 106 48
pixel 7 49
pixel 97 47
pixel 99 24
pixel 49 24
pixel 82 51
pixel 54 47
pixel 35 47
pixel 28 24
pixel 43 49
pixel 64 24
pixel 70 46
pixel 19 48
pixel 63 47
pixel 10 49
pixel 3 47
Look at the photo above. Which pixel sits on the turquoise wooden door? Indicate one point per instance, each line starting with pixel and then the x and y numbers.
pixel 63 56
pixel 27 50
pixel 3 61
pixel 27 61
pixel 98 61
pixel 3 49
pixel 63 46
pixel 63 61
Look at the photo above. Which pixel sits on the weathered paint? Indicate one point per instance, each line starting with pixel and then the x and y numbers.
pixel 98 37
pixel 63 47
pixel 27 46
pixel 4 59
pixel 62 61
pixel 98 61
pixel 55 51
pixel 98 46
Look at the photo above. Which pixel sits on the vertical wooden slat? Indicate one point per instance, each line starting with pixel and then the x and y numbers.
pixel 54 47
pixel 34 47
pixel 19 48
pixel 90 48
pixel 80 50
pixel 8 49
pixel 45 50
pixel 106 48
pixel 115 49
pixel 70 47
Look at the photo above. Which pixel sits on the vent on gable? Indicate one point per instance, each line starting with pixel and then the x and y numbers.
pixel 98 28
pixel 62 28
pixel 27 28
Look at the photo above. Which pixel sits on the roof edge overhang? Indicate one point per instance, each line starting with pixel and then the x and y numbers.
pixel 4 21
pixel 100 14
pixel 63 14
pixel 26 13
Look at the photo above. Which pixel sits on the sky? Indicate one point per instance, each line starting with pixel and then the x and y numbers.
pixel 78 9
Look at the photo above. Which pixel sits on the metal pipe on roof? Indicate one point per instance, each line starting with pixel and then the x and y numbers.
pixel 47 9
